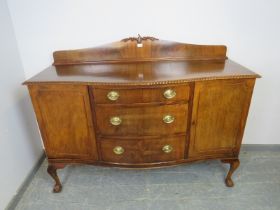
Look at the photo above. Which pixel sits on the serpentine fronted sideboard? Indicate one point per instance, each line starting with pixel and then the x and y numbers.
pixel 142 102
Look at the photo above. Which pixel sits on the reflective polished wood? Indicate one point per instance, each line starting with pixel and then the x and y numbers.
pixel 131 74
pixel 142 102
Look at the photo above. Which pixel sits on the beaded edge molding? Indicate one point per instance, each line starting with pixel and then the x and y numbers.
pixel 147 83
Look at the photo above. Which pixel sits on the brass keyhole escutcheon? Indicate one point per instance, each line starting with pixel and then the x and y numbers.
pixel 118 150
pixel 167 148
pixel 113 95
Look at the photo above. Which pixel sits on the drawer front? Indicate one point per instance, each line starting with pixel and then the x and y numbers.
pixel 145 120
pixel 143 151
pixel 141 95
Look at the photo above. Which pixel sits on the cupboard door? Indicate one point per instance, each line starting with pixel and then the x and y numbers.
pixel 64 117
pixel 219 115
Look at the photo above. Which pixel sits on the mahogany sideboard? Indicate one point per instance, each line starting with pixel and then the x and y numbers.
pixel 142 102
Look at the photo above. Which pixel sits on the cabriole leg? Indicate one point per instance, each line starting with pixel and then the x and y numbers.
pixel 52 172
pixel 233 166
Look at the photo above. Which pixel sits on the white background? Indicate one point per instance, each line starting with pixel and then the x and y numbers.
pixel 20 145
pixel 249 28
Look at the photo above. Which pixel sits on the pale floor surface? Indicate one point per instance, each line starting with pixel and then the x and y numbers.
pixel 192 186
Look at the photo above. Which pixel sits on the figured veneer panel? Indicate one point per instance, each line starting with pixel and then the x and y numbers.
pixel 152 50
pixel 64 117
pixel 141 120
pixel 144 150
pixel 219 113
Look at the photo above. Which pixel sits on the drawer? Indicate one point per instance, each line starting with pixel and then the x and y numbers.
pixel 141 95
pixel 143 151
pixel 120 120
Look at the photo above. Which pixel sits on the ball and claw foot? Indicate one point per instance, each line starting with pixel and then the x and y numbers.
pixel 233 166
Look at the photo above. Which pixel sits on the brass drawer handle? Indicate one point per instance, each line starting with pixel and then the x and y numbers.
pixel 118 150
pixel 168 119
pixel 169 93
pixel 115 120
pixel 167 148
pixel 113 95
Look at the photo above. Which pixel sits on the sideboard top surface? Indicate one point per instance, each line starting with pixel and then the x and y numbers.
pixel 143 73
pixel 154 62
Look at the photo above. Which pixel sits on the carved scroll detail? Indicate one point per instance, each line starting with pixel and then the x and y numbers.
pixel 139 39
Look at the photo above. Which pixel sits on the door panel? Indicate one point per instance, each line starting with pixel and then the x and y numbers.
pixel 219 114
pixel 64 116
